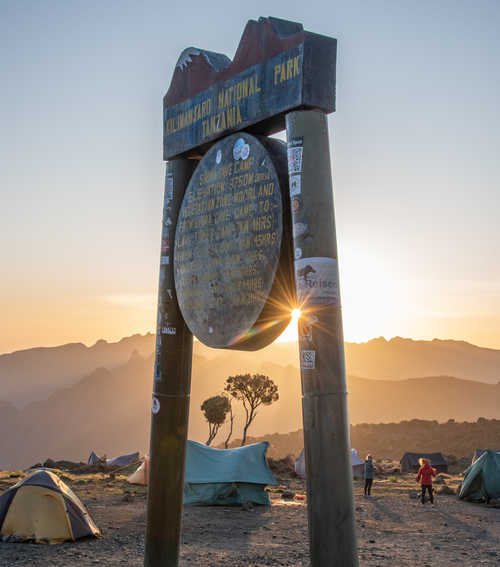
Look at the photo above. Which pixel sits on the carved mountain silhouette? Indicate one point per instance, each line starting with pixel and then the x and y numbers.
pixel 197 69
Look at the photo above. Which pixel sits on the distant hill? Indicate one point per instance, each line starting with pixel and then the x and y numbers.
pixel 109 410
pixel 33 374
pixel 405 358
pixel 392 440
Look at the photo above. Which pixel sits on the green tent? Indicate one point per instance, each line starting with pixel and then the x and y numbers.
pixel 227 477
pixel 482 479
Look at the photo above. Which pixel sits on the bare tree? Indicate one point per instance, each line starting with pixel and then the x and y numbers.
pixel 252 390
pixel 231 420
pixel 215 410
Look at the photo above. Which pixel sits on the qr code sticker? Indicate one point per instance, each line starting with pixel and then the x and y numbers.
pixel 295 160
pixel 307 359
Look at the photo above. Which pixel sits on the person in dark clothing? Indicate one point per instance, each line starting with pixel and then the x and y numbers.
pixel 368 474
pixel 424 476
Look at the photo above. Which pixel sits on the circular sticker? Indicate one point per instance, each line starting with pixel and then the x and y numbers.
pixel 237 148
pixel 296 204
pixel 155 407
pixel 245 152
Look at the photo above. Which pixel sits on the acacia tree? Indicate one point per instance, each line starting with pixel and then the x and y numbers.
pixel 231 421
pixel 215 410
pixel 252 390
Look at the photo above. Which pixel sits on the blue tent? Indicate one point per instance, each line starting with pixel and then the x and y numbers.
pixel 227 477
pixel 482 479
pixel 121 461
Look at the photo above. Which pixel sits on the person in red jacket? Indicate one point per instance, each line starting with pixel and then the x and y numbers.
pixel 424 476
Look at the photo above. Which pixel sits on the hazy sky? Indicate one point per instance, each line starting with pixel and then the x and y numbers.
pixel 415 148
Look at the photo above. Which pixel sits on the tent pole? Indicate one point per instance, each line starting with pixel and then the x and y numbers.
pixel 324 397
pixel 172 383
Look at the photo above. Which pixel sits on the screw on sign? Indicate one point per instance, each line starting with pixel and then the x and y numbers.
pixel 249 233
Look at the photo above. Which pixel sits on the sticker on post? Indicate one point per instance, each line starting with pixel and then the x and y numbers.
pixel 168 330
pixel 317 281
pixel 299 229
pixel 307 359
pixel 295 185
pixel 295 150
pixel 165 246
pixel 169 187
pixel 155 406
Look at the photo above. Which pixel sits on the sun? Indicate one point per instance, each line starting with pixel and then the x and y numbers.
pixel 290 333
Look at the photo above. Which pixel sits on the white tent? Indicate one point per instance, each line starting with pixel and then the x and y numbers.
pixel 357 464
pixel 140 476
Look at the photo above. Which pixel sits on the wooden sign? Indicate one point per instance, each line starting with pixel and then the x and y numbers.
pixel 232 258
pixel 277 67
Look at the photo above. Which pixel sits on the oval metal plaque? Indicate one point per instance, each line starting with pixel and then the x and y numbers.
pixel 232 245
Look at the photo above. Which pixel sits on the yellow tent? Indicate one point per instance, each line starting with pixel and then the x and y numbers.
pixel 42 508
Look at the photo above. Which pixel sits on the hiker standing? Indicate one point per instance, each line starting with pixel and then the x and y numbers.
pixel 368 474
pixel 424 476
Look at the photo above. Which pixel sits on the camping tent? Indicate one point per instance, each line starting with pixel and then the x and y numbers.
pixel 42 508
pixel 221 476
pixel 357 464
pixel 141 475
pixel 479 452
pixel 409 462
pixel 227 476
pixel 93 459
pixel 121 461
pixel 482 479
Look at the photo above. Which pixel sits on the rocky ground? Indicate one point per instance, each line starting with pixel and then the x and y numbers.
pixel 393 530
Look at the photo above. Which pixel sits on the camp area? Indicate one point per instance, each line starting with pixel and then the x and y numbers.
pixel 389 525
pixel 410 462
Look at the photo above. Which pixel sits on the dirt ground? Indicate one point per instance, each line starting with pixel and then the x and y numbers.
pixel 393 530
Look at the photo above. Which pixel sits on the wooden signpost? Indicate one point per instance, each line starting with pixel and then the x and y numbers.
pixel 248 234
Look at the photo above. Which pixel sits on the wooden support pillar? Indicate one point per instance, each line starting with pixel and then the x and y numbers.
pixel 172 383
pixel 321 344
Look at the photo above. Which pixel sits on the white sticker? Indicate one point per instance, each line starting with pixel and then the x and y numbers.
pixel 317 281
pixel 155 406
pixel 169 187
pixel 165 260
pixel 298 253
pixel 295 159
pixel 245 152
pixel 299 229
pixel 168 330
pixel 307 359
pixel 218 157
pixel 241 150
pixel 295 185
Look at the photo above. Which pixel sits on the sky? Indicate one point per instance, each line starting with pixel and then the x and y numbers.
pixel 414 145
